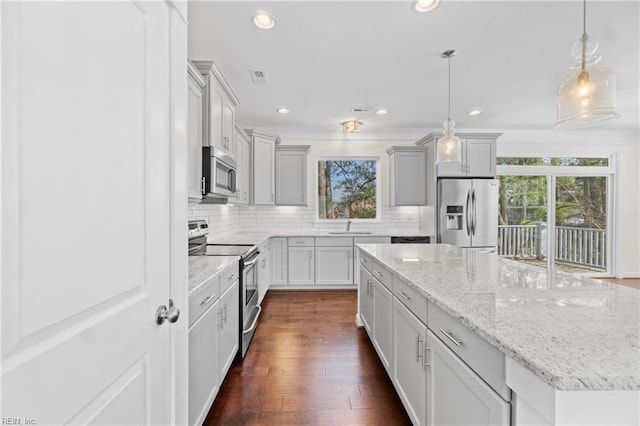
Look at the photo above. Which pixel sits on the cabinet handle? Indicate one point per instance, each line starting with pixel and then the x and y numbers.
pixel 202 190
pixel 418 346
pixel 232 277
pixel 224 318
pixel 450 337
pixel 219 320
pixel 207 300
pixel 426 363
pixel 404 296
pixel 378 273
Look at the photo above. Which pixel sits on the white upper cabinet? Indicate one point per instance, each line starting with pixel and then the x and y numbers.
pixel 263 147
pixel 219 106
pixel 407 174
pixel 478 155
pixel 291 175
pixel 196 88
pixel 243 161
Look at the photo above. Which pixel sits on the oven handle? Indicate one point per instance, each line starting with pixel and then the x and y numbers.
pixel 252 262
pixel 255 322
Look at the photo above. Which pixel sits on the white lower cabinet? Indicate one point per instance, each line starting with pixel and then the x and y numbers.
pixel 365 295
pixel 382 323
pixel 204 359
pixel 334 265
pixel 278 254
pixel 301 265
pixel 213 341
pixel 229 327
pixel 455 393
pixel 409 375
pixel 264 273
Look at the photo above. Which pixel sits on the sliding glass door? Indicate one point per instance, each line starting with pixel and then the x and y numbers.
pixel 555 213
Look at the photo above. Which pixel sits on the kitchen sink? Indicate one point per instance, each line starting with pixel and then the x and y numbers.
pixel 350 233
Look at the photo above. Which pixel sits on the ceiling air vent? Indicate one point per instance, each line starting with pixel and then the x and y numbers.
pixel 361 109
pixel 259 77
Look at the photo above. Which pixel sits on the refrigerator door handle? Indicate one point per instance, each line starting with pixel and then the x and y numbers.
pixel 466 213
pixel 475 212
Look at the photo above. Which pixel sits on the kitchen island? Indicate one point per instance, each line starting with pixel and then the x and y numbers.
pixel 571 344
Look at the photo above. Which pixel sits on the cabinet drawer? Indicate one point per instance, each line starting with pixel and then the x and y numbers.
pixel 411 298
pixel 205 298
pixel 487 361
pixel 301 242
pixel 334 242
pixel 228 276
pixel 365 260
pixel 371 240
pixel 381 273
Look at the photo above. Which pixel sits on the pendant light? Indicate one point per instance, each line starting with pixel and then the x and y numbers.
pixel 448 148
pixel 588 96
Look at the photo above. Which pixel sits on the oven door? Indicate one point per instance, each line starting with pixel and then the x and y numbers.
pixel 250 309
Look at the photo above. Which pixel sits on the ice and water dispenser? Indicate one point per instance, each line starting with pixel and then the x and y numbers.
pixel 454 218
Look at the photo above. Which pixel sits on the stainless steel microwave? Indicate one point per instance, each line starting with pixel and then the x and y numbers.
pixel 219 178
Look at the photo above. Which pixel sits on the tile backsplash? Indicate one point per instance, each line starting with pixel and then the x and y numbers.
pixel 224 220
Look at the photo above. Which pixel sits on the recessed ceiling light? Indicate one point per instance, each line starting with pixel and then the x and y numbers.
pixel 423 6
pixel 474 112
pixel 283 110
pixel 264 21
pixel 381 111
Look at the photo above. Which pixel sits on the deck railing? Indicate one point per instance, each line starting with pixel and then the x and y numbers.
pixel 575 245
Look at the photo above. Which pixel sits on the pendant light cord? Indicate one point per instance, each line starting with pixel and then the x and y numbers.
pixel 449 91
pixel 584 34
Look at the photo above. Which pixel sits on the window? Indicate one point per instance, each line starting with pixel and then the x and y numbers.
pixel 347 188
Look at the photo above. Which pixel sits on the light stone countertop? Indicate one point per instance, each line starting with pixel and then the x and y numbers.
pixel 201 268
pixel 573 332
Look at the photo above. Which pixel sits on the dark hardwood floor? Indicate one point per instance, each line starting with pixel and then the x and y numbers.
pixel 308 364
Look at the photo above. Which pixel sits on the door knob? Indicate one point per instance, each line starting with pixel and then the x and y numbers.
pixel 170 314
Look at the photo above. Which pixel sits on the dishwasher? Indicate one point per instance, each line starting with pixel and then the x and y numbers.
pixel 411 240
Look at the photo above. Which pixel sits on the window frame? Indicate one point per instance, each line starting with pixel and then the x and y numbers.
pixel 349 158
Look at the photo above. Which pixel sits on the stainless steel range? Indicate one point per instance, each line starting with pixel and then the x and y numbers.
pixel 248 253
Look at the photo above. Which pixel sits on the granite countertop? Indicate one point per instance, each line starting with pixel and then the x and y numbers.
pixel 201 268
pixel 573 332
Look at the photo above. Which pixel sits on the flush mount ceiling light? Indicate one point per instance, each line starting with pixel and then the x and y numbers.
pixel 352 126
pixel 283 110
pixel 588 96
pixel 423 6
pixel 264 21
pixel 448 148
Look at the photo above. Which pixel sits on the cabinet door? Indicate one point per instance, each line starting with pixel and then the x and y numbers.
pixel 194 133
pixel 481 157
pixel 278 254
pixel 264 275
pixel 365 297
pixel 409 182
pixel 263 171
pixel 382 323
pixel 215 115
pixel 230 329
pixel 301 266
pixel 409 335
pixel 334 265
pixel 244 161
pixel 291 178
pixel 451 384
pixel 204 370
pixel 227 126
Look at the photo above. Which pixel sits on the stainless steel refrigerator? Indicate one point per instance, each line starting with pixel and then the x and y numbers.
pixel 468 212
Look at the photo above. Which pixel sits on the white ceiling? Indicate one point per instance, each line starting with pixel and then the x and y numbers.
pixel 324 58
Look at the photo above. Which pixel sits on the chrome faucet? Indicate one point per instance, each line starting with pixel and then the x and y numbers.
pixel 349 225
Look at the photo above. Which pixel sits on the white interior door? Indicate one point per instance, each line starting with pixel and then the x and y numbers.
pixel 85 212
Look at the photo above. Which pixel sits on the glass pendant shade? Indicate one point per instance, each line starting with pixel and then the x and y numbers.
pixel 448 149
pixel 587 98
